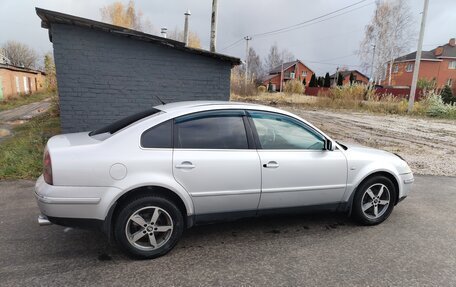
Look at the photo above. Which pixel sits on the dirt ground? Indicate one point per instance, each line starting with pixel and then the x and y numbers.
pixel 428 145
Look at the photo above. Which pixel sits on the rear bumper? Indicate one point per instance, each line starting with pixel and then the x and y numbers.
pixel 73 202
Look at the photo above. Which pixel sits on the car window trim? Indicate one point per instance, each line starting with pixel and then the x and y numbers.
pixel 202 114
pixel 304 125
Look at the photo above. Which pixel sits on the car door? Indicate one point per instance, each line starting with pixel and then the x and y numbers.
pixel 296 168
pixel 215 161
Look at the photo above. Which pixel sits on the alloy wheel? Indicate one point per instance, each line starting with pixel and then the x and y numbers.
pixel 375 201
pixel 149 228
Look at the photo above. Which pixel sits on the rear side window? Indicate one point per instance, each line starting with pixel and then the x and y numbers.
pixel 159 136
pixel 224 130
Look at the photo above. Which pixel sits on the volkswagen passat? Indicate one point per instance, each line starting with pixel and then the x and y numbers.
pixel 147 177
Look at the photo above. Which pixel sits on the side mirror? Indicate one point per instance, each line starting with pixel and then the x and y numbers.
pixel 329 145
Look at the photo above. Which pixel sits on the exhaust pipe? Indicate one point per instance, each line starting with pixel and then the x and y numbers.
pixel 43 220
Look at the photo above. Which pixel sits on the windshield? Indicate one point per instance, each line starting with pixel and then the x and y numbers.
pixel 124 122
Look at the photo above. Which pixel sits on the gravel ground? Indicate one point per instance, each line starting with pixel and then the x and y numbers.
pixel 428 145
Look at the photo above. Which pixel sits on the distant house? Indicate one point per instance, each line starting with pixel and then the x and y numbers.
pixel 288 71
pixel 359 77
pixel 15 81
pixel 106 72
pixel 438 64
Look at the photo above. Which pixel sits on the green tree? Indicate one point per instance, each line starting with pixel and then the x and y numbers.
pixel 304 82
pixel 447 95
pixel 327 81
pixel 340 79
pixel 321 81
pixel 352 78
pixel 313 81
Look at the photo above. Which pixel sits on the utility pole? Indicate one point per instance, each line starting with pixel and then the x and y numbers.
pixel 246 76
pixel 281 77
pixel 416 68
pixel 213 26
pixel 186 27
pixel 373 62
pixel 336 77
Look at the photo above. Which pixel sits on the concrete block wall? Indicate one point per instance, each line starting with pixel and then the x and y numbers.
pixel 103 77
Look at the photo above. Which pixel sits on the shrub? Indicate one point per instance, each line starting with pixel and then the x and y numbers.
pixel 447 95
pixel 261 89
pixel 294 87
pixel 435 105
pixel 426 84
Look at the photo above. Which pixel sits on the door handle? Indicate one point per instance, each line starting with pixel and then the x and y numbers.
pixel 271 164
pixel 185 165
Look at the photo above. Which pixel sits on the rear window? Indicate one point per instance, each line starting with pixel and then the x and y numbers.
pixel 122 123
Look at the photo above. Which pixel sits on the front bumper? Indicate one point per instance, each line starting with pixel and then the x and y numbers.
pixel 74 202
pixel 406 182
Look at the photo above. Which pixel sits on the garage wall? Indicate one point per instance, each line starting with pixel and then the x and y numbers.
pixel 103 77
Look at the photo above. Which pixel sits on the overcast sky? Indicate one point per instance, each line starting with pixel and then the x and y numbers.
pixel 322 46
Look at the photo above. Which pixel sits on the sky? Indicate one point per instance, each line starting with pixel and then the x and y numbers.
pixel 322 46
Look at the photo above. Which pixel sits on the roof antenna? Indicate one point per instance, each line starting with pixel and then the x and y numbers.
pixel 160 100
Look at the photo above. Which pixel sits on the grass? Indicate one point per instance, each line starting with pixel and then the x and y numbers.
pixel 21 155
pixel 23 100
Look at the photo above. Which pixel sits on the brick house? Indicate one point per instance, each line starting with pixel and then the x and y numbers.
pixel 360 78
pixel 291 70
pixel 15 81
pixel 438 64
pixel 106 72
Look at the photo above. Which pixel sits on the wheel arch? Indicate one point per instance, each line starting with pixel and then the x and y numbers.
pixel 384 173
pixel 187 211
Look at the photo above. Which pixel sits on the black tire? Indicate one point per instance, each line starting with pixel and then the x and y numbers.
pixel 135 204
pixel 357 212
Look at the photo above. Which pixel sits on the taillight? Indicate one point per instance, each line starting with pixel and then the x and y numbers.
pixel 47 167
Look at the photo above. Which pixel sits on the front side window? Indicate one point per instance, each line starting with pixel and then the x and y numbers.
pixel 276 131
pixel 409 68
pixel 211 130
pixel 159 136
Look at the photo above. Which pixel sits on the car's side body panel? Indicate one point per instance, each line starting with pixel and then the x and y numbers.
pixel 302 178
pixel 219 180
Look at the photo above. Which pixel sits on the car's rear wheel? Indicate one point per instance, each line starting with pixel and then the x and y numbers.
pixel 148 227
pixel 374 200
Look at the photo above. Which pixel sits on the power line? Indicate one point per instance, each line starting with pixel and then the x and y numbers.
pixel 302 24
pixel 298 25
pixel 232 44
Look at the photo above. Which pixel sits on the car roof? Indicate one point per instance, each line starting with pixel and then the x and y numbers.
pixel 172 107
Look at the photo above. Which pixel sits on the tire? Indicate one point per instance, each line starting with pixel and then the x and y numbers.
pixel 137 233
pixel 368 207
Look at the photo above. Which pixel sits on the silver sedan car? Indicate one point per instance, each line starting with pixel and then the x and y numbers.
pixel 147 177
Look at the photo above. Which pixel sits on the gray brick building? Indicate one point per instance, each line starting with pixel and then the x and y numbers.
pixel 106 72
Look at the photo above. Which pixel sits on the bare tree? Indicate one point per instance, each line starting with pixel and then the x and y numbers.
pixel 193 38
pixel 49 67
pixel 254 64
pixel 20 55
pixel 125 16
pixel 287 56
pixel 276 57
pixel 391 33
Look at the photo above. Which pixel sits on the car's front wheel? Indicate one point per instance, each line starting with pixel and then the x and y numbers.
pixel 149 226
pixel 374 200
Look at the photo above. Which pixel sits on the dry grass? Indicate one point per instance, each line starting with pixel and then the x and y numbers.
pixel 354 98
